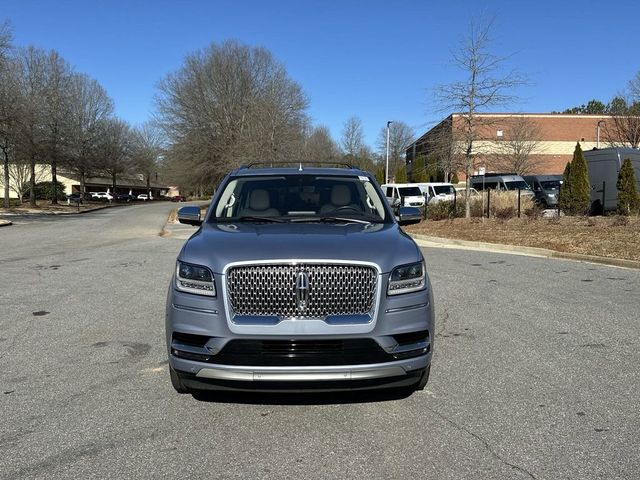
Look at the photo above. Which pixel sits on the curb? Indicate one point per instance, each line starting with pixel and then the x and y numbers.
pixel 101 207
pixel 439 242
pixel 5 223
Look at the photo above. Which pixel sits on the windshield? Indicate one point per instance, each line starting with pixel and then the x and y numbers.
pixel 300 198
pixel 519 184
pixel 443 189
pixel 410 192
pixel 550 185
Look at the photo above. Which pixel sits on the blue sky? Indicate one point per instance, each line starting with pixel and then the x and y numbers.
pixel 374 59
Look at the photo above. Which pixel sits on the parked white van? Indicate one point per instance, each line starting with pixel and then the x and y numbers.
pixel 407 194
pixel 438 191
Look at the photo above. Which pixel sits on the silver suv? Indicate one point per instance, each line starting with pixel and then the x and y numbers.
pixel 297 279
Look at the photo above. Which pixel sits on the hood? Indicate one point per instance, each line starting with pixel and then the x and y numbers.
pixel 216 245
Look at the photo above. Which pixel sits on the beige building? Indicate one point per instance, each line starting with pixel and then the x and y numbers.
pixel 20 175
pixel 535 143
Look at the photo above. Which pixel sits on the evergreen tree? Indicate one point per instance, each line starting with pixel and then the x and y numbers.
pixel 419 170
pixel 580 188
pixel 401 174
pixel 380 174
pixel 628 199
pixel 564 201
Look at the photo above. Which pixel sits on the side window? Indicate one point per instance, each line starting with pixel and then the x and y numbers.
pixel 389 192
pixel 490 185
pixel 432 192
pixel 395 193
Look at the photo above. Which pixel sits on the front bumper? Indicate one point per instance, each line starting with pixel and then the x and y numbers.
pixel 329 378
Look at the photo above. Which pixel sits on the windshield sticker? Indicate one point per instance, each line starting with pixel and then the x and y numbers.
pixel 363 178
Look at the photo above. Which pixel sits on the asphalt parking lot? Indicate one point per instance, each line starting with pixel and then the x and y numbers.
pixel 536 372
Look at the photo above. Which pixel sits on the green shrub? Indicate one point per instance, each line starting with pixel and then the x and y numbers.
pixel 575 193
pixel 628 199
pixel 44 191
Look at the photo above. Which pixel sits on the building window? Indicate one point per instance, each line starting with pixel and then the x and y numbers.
pixel 499 133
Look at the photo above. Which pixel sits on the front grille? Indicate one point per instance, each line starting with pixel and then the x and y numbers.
pixel 271 290
pixel 272 353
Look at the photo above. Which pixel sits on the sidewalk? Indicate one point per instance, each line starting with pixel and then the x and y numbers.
pixel 438 242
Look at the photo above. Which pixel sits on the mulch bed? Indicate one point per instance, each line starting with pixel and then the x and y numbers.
pixel 615 237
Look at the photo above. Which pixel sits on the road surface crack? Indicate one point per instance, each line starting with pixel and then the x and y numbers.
pixel 488 447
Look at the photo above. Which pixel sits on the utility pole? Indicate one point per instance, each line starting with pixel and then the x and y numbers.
pixel 598 133
pixel 386 176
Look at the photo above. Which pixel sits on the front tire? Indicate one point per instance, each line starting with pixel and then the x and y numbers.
pixel 176 382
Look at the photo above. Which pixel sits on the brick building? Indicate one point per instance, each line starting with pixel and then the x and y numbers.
pixel 547 140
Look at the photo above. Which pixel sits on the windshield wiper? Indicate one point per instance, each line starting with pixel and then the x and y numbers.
pixel 330 220
pixel 250 218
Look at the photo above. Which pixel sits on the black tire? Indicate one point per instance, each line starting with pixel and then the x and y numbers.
pixel 177 383
pixel 423 379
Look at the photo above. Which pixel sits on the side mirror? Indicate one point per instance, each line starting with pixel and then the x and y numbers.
pixel 395 202
pixel 190 216
pixel 409 215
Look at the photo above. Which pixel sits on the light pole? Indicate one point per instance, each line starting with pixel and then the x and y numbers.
pixel 386 175
pixel 598 133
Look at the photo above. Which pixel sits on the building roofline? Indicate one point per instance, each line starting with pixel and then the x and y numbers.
pixel 527 114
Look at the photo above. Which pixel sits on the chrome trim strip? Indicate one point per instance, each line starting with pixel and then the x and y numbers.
pixel 409 307
pixel 194 309
pixel 300 376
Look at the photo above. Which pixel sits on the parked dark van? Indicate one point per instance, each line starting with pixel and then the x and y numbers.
pixel 546 189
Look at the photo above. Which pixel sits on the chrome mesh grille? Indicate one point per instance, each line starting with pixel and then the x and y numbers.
pixel 334 289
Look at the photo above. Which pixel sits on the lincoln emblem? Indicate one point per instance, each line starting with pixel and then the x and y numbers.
pixel 302 291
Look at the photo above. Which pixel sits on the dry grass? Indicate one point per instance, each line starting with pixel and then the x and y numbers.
pixel 614 236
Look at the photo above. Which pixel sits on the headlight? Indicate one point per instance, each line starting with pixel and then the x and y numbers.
pixel 407 278
pixel 195 279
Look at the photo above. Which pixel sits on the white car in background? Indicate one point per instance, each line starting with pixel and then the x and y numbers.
pixel 403 194
pixel 438 191
pixel 101 196
pixel 144 197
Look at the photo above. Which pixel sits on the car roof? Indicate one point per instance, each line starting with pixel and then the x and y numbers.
pixel 326 171
pixel 400 185
pixel 543 177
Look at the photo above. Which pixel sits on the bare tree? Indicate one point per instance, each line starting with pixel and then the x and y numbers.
pixel 9 106
pixel 32 68
pixel 624 128
pixel 400 137
pixel 20 175
pixel 319 146
pixel 90 105
pixel 147 148
pixel 115 149
pixel 485 86
pixel 228 104
pixel 56 113
pixel 515 152
pixel 634 87
pixel 352 140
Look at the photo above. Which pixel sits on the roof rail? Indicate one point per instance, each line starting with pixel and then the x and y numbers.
pixel 296 163
pixel 496 174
